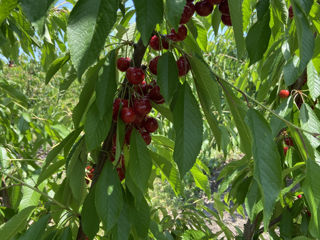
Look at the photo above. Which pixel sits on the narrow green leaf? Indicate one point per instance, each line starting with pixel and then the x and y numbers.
pixel 291 71
pixel 13 92
pixel 86 93
pixel 169 170
pixel 238 110
pixel 313 81
pixel 16 224
pixel 174 9
pixel 257 39
pixel 29 196
pixel 310 122
pixel 149 14
pixel 141 215
pixel 188 126
pixel 6 6
pixel 90 23
pixel 37 229
pixel 201 180
pixel 164 110
pixel 235 7
pixel 140 163
pixel 108 197
pixel 76 171
pixel 106 85
pixel 167 76
pixel 285 111
pixel 301 10
pixel 215 20
pixel 55 66
pixel 267 163
pixel 89 216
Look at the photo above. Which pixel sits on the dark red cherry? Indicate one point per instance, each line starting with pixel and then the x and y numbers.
pixel 224 8
pixel 142 106
pixel 187 14
pixel 180 36
pixel 226 20
pixel 128 115
pixel 151 124
pixel 116 106
pixel 123 64
pixel 291 12
pixel 183 66
pixel 146 137
pixel 135 75
pixel 153 65
pixel 121 173
pixel 204 8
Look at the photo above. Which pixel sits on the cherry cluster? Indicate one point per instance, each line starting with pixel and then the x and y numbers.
pixel 288 142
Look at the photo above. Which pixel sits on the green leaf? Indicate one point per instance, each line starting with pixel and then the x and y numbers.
pixel 167 75
pixel 174 10
pixel 96 129
pixel 235 7
pixel 164 110
pixel 54 153
pixel 124 224
pixel 169 170
pixel 86 93
pixel 215 20
pixel 291 71
pixel 310 122
pixel 89 216
pixel 6 6
pixel 208 93
pixel 50 170
pixel 301 10
pixel 187 123
pixel 108 197
pixel 201 180
pixel 13 92
pixel 16 224
pixel 29 196
pixel 37 229
pixel 149 13
pixel 257 40
pixel 285 111
pixel 76 171
pixel 238 110
pixel 90 23
pixel 313 81
pixel 55 66
pixel 35 10
pixel 267 163
pixel 140 164
pixel 141 215
pixel 106 85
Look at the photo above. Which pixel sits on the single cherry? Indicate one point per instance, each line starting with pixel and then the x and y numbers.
pixel 142 106
pixel 188 12
pixel 146 137
pixel 214 1
pixel 203 8
pixel 128 115
pixel 288 141
pixel 224 8
pixel 291 12
pixel 153 65
pixel 180 36
pixel 284 93
pixel 123 64
pixel 183 66
pixel 116 106
pixel 121 173
pixel 151 124
pixel 299 196
pixel 135 75
pixel 226 20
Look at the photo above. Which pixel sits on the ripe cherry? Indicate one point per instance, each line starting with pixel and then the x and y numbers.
pixel 224 8
pixel 284 93
pixel 135 75
pixel 121 173
pixel 146 137
pixel 299 196
pixel 288 141
pixel 180 36
pixel 183 66
pixel 128 115
pixel 214 1
pixel 291 12
pixel 155 95
pixel 151 124
pixel 123 64
pixel 188 12
pixel 155 43
pixel 153 65
pixel 203 8
pixel 142 106
pixel 226 20
pixel 116 106
pixel 285 149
